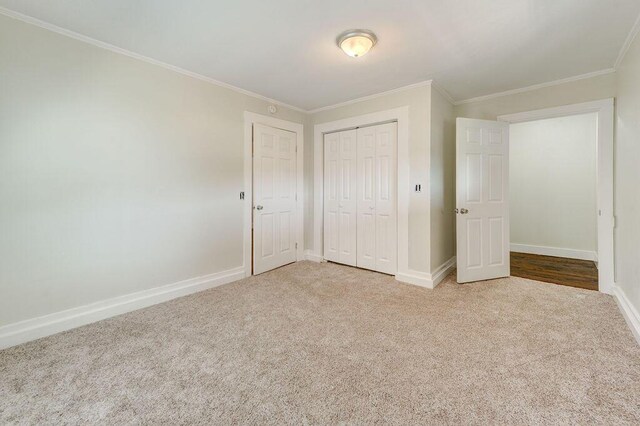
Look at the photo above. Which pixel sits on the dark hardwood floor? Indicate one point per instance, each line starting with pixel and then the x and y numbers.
pixel 557 270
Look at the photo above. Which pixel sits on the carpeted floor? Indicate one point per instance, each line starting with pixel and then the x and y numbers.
pixel 324 344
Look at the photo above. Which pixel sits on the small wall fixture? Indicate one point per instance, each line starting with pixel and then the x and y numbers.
pixel 356 43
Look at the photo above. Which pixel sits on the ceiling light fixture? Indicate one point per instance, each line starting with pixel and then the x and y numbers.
pixel 356 43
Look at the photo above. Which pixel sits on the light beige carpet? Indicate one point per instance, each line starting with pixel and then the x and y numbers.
pixel 325 344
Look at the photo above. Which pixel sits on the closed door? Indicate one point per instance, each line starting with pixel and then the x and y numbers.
pixel 340 197
pixel 377 198
pixel 482 213
pixel 274 198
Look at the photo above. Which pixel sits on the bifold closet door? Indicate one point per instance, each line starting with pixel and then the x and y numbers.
pixel 340 197
pixel 377 198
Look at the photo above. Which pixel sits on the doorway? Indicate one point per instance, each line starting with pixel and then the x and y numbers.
pixel 484 205
pixel 553 200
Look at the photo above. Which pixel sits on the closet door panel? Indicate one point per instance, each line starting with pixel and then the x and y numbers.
pixel 331 196
pixel 347 199
pixel 386 175
pixel 366 205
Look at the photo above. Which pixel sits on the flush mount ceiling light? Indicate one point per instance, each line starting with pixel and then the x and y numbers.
pixel 356 43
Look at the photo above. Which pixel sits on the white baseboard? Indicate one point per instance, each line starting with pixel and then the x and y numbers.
pixel 418 278
pixel 35 328
pixel 629 312
pixel 426 280
pixel 443 271
pixel 313 257
pixel 555 251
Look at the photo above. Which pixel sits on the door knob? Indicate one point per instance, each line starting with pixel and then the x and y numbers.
pixel 464 211
pixel 259 207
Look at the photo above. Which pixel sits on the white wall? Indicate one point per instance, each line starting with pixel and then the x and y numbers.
pixel 419 101
pixel 115 175
pixel 552 180
pixel 627 177
pixel 443 180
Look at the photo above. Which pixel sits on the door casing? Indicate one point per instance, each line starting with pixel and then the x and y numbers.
pixel 606 214
pixel 401 116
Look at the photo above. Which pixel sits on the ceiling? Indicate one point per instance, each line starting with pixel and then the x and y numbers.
pixel 285 49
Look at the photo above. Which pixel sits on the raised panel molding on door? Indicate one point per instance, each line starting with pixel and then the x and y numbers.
pixel 377 198
pixel 340 197
pixel 482 213
pixel 274 198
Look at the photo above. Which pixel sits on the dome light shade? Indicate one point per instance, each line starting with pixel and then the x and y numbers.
pixel 356 43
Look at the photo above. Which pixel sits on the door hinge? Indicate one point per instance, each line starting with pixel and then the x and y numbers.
pixel 296 245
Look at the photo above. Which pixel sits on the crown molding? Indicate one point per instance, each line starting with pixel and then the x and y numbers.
pixel 68 33
pixel 443 92
pixel 373 96
pixel 80 37
pixel 627 43
pixel 72 34
pixel 537 86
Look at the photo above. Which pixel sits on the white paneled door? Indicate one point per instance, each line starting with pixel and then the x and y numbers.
pixel 377 198
pixel 340 197
pixel 482 206
pixel 274 198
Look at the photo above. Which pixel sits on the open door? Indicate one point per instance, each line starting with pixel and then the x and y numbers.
pixel 482 199
pixel 274 198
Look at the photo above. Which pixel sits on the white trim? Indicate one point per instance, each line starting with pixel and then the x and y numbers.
pixel 36 328
pixel 249 119
pixel 373 96
pixel 604 109
pixel 629 312
pixel 425 280
pixel 443 271
pixel 72 34
pixel 401 116
pixel 560 111
pixel 443 92
pixel 311 256
pixel 627 43
pixel 555 251
pixel 536 86
pixel 421 279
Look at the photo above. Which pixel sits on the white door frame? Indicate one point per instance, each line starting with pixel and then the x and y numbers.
pixel 249 119
pixel 399 115
pixel 606 219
